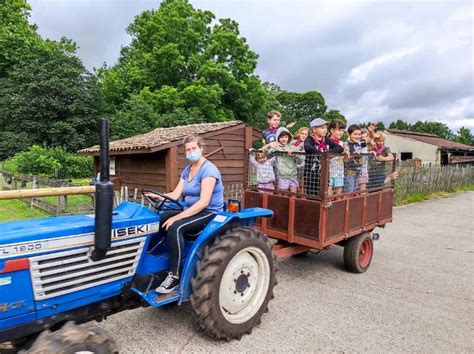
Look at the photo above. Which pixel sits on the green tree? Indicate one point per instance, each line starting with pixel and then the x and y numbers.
pixel 334 114
pixel 17 36
pixel 464 136
pixel 46 95
pixel 49 99
pixel 189 63
pixel 436 128
pixel 380 126
pixel 301 106
pixel 400 125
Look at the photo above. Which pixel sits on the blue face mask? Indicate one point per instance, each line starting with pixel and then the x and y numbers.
pixel 194 156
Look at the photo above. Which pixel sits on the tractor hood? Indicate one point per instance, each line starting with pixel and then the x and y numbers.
pixel 26 237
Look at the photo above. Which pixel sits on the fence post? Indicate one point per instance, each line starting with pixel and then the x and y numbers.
pixel 34 185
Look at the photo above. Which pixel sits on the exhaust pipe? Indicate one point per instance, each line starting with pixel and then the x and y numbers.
pixel 104 198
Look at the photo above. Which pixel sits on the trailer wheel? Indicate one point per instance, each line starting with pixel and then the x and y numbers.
pixel 234 283
pixel 72 338
pixel 358 252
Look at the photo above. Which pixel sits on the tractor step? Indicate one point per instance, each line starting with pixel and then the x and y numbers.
pixel 156 300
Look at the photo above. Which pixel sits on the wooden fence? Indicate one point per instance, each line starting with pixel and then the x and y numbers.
pixel 429 179
pixel 16 181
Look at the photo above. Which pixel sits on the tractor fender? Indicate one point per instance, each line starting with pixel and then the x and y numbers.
pixel 220 224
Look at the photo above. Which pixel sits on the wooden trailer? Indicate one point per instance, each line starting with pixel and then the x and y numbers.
pixel 303 221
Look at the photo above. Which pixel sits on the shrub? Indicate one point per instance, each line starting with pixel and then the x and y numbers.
pixel 51 162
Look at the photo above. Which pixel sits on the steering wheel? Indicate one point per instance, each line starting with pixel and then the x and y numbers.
pixel 159 205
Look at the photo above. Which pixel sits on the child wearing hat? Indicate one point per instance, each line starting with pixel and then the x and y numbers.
pixel 317 142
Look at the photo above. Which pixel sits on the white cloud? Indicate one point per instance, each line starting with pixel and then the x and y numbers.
pixel 360 72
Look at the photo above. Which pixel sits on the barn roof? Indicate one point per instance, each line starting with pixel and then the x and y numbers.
pixel 431 139
pixel 160 138
pixel 462 159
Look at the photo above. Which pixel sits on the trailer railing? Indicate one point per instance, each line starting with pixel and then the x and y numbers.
pixel 321 176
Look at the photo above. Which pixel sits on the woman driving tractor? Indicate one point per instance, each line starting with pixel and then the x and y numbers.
pixel 201 186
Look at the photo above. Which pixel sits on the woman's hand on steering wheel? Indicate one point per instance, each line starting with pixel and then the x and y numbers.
pixel 151 197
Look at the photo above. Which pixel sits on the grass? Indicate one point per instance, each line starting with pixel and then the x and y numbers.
pixel 420 197
pixel 16 209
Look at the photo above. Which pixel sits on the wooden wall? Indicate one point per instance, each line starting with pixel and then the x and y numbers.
pixel 231 159
pixel 142 171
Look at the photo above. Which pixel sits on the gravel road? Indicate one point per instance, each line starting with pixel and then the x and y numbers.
pixel 418 295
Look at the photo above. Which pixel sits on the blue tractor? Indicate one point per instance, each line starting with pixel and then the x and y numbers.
pixel 57 273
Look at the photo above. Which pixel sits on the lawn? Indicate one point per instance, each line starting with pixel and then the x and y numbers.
pixel 16 210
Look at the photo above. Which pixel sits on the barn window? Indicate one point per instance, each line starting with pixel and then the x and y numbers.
pixel 406 156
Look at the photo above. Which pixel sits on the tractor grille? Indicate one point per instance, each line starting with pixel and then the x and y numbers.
pixel 64 272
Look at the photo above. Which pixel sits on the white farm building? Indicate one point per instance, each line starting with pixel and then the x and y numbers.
pixel 428 148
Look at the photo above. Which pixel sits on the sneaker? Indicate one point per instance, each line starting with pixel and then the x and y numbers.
pixel 169 284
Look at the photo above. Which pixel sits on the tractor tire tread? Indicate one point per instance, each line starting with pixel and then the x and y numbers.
pixel 72 338
pixel 205 288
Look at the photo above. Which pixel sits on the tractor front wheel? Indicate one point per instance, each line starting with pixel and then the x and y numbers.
pixel 358 251
pixel 72 338
pixel 234 283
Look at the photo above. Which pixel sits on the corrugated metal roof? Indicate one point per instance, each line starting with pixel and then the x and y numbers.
pixel 431 139
pixel 161 136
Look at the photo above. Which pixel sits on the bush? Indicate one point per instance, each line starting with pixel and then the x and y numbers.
pixel 50 162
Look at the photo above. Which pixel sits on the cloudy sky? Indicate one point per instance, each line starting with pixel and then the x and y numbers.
pixel 372 60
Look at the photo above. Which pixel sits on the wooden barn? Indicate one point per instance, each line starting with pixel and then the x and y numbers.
pixel 154 160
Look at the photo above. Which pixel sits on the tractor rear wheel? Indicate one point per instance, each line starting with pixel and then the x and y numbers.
pixel 358 252
pixel 72 338
pixel 234 283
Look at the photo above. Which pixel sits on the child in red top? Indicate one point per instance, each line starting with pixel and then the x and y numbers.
pixel 300 137
pixel 316 143
pixel 336 164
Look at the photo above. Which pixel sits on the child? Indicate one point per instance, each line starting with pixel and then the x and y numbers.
pixel 378 171
pixel 264 168
pixel 300 137
pixel 354 165
pixel 336 164
pixel 286 164
pixel 269 135
pixel 316 142
pixel 364 172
